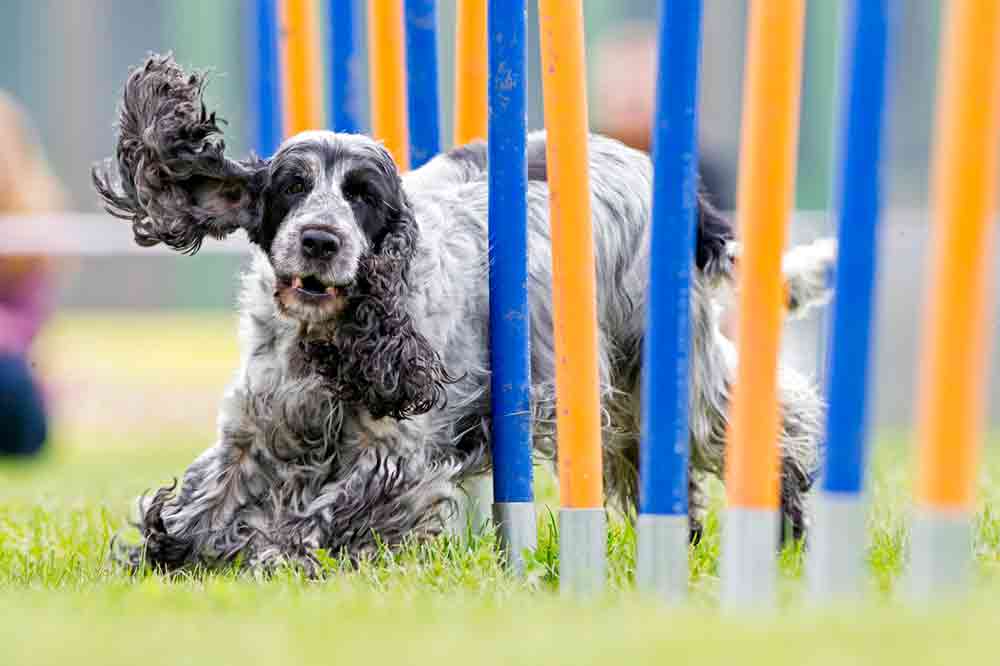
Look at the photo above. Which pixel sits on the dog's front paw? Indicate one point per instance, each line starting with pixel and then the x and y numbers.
pixel 158 549
pixel 269 561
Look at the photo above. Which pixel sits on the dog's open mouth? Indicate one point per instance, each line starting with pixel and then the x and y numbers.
pixel 310 297
pixel 311 286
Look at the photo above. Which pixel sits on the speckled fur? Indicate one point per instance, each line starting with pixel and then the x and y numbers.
pixel 341 433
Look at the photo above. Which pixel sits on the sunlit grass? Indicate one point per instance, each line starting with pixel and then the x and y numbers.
pixel 63 601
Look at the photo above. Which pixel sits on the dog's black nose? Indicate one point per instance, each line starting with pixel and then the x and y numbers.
pixel 319 244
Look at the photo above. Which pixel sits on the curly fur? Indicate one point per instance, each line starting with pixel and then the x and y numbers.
pixel 378 357
pixel 362 399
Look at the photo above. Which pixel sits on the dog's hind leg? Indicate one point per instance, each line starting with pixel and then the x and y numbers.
pixel 802 413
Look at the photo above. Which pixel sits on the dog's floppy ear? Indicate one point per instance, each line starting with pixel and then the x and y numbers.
pixel 384 362
pixel 714 239
pixel 170 175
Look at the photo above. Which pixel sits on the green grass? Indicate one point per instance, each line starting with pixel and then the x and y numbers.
pixel 62 601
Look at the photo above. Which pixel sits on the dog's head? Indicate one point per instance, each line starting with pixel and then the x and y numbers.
pixel 327 209
pixel 335 220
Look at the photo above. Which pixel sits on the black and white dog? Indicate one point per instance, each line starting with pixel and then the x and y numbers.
pixel 362 398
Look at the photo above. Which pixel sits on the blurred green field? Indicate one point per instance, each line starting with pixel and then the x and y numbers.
pixel 62 601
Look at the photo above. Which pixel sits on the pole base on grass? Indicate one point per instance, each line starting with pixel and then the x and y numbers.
pixel 749 557
pixel 517 531
pixel 662 557
pixel 940 554
pixel 582 549
pixel 836 554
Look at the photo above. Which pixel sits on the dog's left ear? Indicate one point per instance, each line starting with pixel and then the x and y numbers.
pixel 384 362
pixel 170 175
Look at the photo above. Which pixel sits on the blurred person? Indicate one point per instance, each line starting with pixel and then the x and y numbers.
pixel 625 100
pixel 27 187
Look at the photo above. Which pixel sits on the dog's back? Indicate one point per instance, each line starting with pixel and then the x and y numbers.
pixel 621 211
pixel 450 197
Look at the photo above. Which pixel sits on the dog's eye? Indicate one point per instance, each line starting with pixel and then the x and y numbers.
pixel 359 194
pixel 297 186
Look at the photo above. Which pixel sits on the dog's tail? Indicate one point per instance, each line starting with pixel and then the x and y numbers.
pixel 808 272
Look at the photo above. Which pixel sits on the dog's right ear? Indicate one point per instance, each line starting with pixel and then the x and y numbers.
pixel 170 175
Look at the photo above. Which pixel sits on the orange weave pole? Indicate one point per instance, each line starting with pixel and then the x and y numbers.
pixel 470 72
pixel 956 333
pixel 574 290
pixel 387 76
pixel 301 67
pixel 765 199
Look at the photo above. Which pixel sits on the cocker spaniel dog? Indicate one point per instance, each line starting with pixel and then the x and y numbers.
pixel 362 400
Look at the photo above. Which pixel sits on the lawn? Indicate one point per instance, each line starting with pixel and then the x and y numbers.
pixel 62 601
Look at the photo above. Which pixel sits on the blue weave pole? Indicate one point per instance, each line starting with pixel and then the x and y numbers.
pixel 346 69
pixel 663 492
pixel 263 75
pixel 837 554
pixel 509 317
pixel 422 80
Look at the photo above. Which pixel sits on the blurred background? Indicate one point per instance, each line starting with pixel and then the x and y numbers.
pixel 145 338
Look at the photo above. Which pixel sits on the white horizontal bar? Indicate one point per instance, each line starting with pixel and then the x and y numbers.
pixel 90 234
pixel 99 234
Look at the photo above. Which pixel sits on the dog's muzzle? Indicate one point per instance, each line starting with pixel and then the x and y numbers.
pixel 308 297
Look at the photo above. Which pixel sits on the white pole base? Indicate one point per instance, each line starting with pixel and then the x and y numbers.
pixel 662 557
pixel 838 541
pixel 749 558
pixel 940 554
pixel 582 551
pixel 517 530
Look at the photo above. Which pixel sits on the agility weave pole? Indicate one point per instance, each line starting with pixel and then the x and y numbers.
pixel 346 107
pixel 415 100
pixel 471 118
pixel 387 78
pixel 837 552
pixel 764 203
pixel 265 77
pixel 663 528
pixel 302 99
pixel 956 329
pixel 582 521
pixel 422 80
pixel 510 322
pixel 470 71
